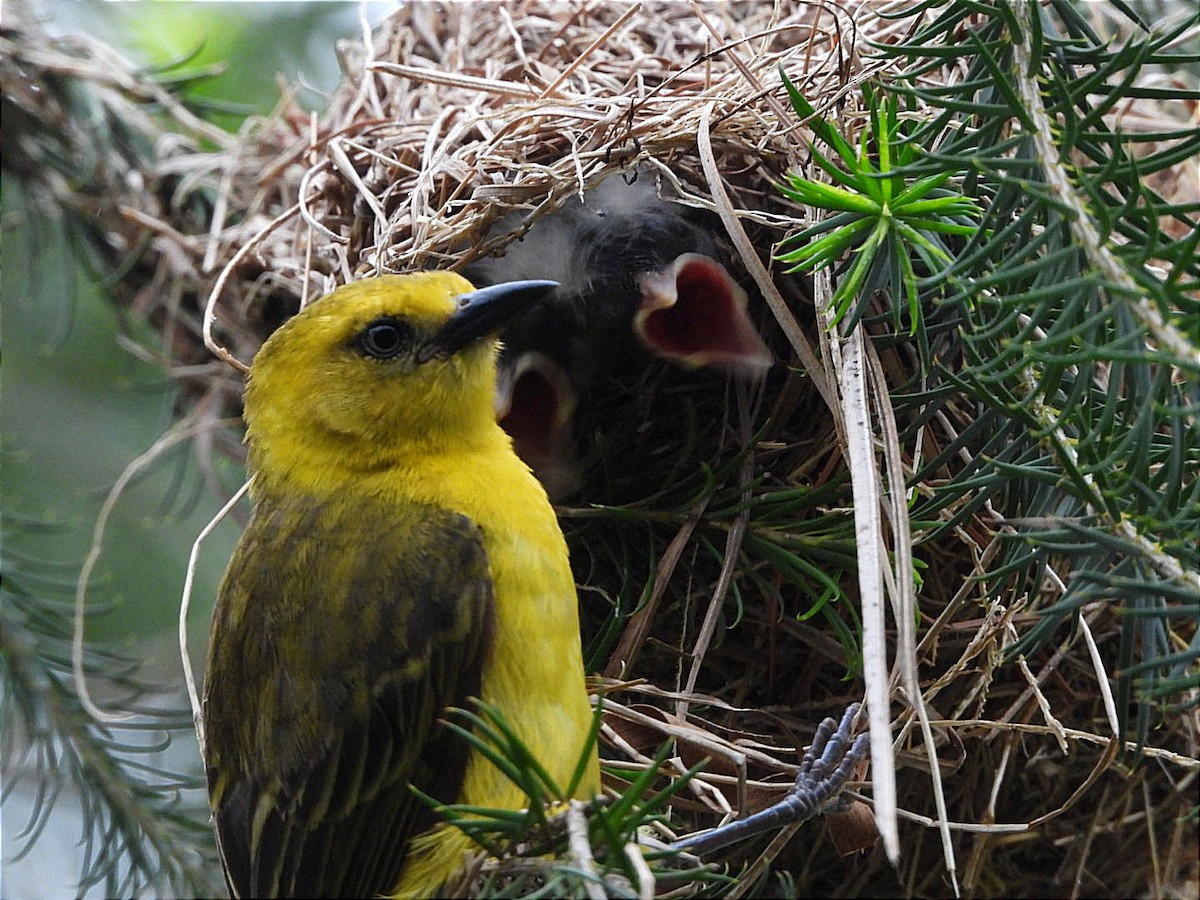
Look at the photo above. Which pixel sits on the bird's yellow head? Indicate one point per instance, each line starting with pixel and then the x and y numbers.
pixel 378 369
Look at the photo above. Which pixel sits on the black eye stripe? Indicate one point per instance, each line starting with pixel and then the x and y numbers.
pixel 385 338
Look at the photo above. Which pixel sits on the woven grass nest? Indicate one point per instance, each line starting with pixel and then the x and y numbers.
pixel 705 615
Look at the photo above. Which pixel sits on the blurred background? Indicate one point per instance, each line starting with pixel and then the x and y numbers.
pixel 81 402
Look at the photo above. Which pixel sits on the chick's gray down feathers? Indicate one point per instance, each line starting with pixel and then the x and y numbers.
pixel 640 276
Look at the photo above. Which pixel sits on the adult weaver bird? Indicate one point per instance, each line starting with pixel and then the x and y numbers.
pixel 399 560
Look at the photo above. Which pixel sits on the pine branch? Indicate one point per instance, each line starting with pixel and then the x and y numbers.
pixel 1080 356
pixel 145 828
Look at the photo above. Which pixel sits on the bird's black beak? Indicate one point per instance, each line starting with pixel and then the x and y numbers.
pixel 484 312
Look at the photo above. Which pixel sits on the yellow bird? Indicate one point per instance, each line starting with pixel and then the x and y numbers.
pixel 400 559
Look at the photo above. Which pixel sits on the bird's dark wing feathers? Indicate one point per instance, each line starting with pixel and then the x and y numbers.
pixel 310 764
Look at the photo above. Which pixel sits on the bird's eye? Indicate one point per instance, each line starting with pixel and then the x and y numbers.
pixel 384 338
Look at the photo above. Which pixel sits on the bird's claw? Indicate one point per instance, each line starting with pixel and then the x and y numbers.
pixel 824 770
pixel 828 763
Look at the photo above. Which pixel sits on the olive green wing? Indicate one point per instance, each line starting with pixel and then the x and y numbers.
pixel 342 633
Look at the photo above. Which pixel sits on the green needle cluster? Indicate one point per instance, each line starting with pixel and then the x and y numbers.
pixel 881 215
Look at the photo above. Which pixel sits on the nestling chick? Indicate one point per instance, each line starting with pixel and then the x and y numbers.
pixel 637 272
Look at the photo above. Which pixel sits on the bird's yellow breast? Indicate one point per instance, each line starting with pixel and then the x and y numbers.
pixel 534 673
